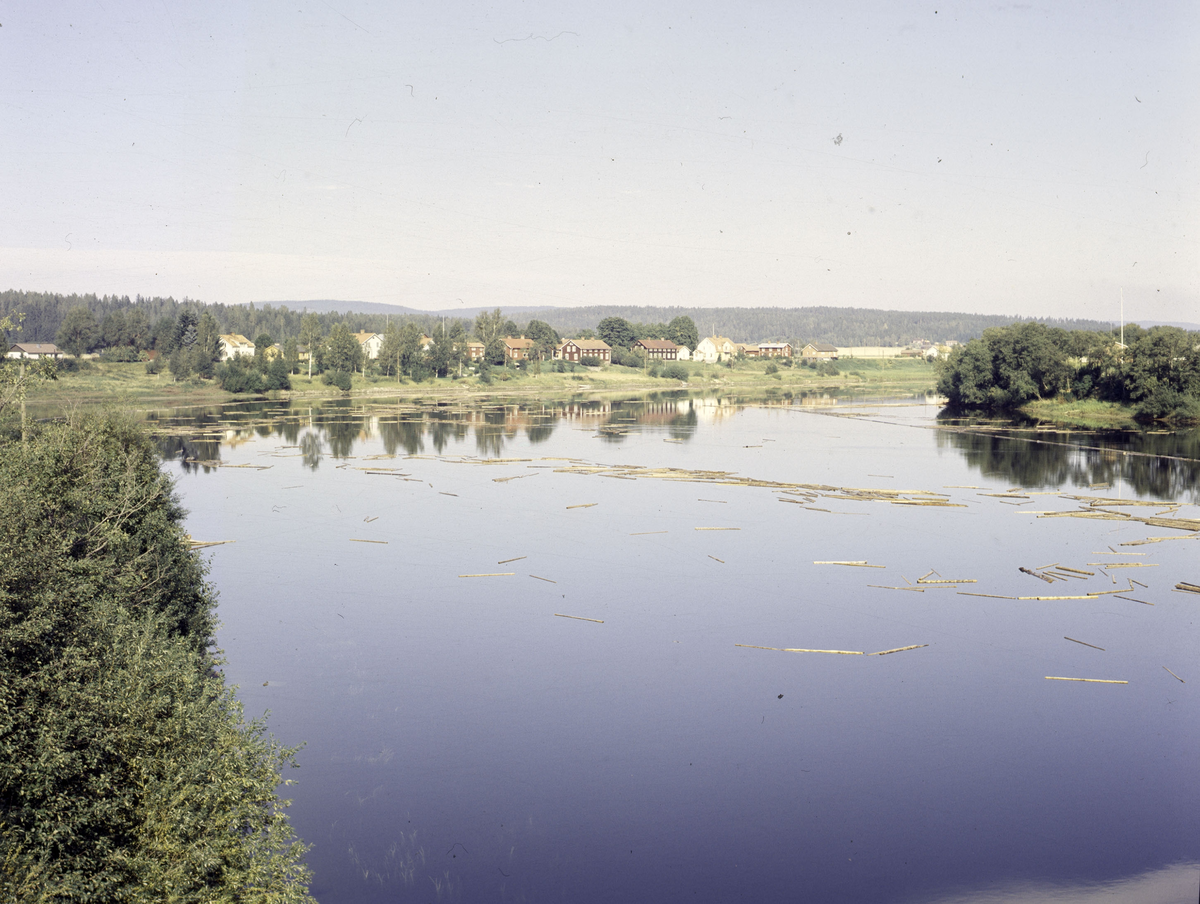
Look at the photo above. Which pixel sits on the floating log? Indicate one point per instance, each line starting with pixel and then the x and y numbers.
pixel 718 528
pixel 1087 596
pixel 1111 565
pixel 882 587
pixel 381 542
pixel 598 621
pixel 493 574
pixel 547 580
pixel 506 561
pixel 858 564
pixel 1088 680
pixel 1132 600
pixel 989 595
pixel 1085 643
pixel 1189 588
pixel 369 520
pixel 715 559
pixel 646 533
pixel 837 652
pixel 583 505
pixel 1079 570
pixel 1173 675
pixel 1036 575
pixel 947 581
pixel 899 649
pixel 203 544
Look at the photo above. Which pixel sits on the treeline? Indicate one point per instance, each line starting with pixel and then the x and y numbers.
pixel 44 314
pixel 1156 370
pixel 127 772
pixel 836 326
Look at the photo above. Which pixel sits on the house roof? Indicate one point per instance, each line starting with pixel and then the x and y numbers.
pixel 365 337
pixel 35 348
pixel 665 344
pixel 774 345
pixel 475 343
pixel 235 339
pixel 595 345
pixel 718 341
pixel 519 343
pixel 822 346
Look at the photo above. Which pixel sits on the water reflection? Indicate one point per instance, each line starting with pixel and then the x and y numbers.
pixel 1159 464
pixel 1156 463
pixel 336 427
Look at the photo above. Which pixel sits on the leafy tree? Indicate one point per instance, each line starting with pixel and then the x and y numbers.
pixel 616 331
pixel 546 338
pixel 126 770
pixel 17 376
pixel 682 331
pixel 489 326
pixel 113 330
pixel 310 337
pixel 78 332
pixel 291 355
pixel 137 329
pixel 342 351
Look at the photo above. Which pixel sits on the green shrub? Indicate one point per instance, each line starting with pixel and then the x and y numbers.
pixel 339 378
pixel 592 360
pixel 771 368
pixel 676 372
pixel 124 354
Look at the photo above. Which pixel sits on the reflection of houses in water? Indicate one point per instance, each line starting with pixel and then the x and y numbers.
pixel 711 410
pixel 817 401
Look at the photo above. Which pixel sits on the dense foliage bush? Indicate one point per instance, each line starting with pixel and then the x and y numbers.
pixel 590 361
pixel 121 353
pixel 126 771
pixel 1157 370
pixel 676 371
pixel 343 381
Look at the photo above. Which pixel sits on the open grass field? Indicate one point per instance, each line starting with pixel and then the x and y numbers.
pixel 129 385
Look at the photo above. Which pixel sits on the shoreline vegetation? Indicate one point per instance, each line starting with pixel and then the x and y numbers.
pixel 128 382
pixel 1080 377
pixel 128 771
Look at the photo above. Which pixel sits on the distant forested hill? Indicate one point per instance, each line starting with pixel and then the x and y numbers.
pixel 44 313
pixel 837 326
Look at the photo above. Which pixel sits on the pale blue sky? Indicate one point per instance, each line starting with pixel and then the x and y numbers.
pixel 999 158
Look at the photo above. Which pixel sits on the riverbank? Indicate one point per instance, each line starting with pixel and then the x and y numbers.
pixel 1093 413
pixel 132 387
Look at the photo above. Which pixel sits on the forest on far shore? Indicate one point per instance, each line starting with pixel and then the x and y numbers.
pixel 44 313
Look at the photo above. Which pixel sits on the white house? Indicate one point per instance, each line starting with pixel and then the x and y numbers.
pixel 371 344
pixel 231 345
pixel 34 350
pixel 712 349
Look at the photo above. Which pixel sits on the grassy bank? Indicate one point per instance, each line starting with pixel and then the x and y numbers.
pixel 133 387
pixel 1081 413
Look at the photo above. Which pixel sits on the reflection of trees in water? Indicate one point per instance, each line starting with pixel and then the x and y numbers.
pixel 189 451
pixel 402 434
pixel 1167 466
pixel 310 449
pixel 341 434
pixel 489 439
pixel 539 432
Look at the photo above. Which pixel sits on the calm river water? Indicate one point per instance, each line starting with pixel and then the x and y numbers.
pixel 529 663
